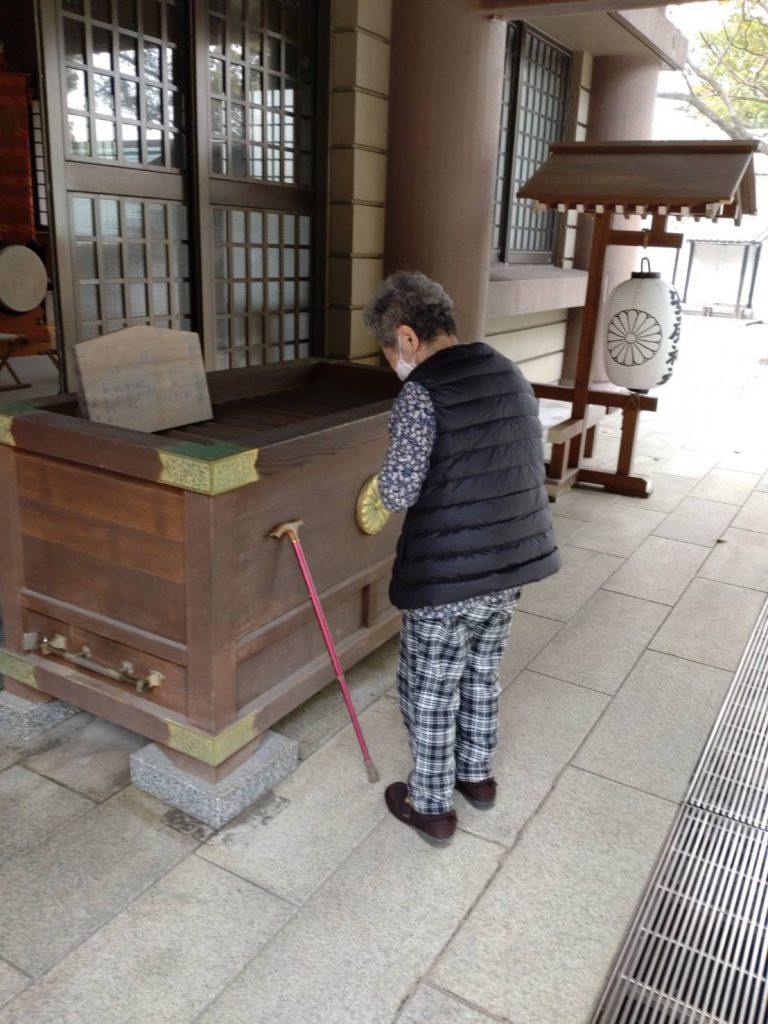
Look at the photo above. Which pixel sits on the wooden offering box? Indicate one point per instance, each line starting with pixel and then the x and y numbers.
pixel 138 579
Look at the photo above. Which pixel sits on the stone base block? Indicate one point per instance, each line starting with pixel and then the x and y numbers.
pixel 215 803
pixel 25 719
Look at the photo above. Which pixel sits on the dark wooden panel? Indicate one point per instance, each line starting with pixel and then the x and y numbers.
pixel 248 195
pixel 226 385
pixel 211 559
pixel 373 381
pixel 137 598
pixel 272 705
pixel 123 707
pixel 275 662
pixel 11 564
pixel 284 625
pixel 173 692
pixel 103 495
pixel 91 444
pixel 112 629
pixel 321 488
pixel 112 543
pixel 126 181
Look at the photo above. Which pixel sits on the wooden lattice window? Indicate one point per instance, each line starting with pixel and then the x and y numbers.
pixel 261 67
pixel 131 264
pixel 124 83
pixel 263 294
pixel 534 113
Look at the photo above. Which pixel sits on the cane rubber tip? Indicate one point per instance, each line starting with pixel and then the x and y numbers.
pixel 373 775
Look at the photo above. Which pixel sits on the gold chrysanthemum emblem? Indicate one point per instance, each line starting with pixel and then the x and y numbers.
pixel 634 337
pixel 371 514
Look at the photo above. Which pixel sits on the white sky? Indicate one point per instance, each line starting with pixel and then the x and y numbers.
pixel 690 17
pixel 669 121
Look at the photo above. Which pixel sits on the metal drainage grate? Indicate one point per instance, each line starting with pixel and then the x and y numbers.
pixel 732 776
pixel 697 952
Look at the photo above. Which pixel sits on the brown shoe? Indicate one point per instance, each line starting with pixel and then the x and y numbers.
pixel 481 795
pixel 435 829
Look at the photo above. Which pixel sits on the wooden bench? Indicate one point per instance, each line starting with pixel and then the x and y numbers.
pixel 559 431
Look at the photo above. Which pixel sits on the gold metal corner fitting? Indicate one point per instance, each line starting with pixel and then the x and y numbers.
pixel 17 668
pixel 206 475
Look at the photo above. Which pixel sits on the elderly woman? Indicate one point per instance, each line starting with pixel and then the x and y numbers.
pixel 465 459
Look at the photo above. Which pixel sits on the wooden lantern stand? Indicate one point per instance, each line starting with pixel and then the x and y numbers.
pixel 564 474
pixel 660 179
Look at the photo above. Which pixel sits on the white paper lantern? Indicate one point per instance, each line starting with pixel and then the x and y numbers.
pixel 643 318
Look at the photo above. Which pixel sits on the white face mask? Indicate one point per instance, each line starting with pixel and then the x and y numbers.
pixel 402 368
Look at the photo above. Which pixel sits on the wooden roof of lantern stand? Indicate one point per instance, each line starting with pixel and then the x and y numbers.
pixel 656 179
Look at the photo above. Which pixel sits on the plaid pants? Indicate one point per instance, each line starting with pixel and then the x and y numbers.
pixel 448 683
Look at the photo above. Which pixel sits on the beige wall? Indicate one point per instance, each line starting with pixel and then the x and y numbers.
pixel 534 341
pixel 360 37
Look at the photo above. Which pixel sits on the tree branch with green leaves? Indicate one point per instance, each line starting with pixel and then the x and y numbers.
pixel 726 73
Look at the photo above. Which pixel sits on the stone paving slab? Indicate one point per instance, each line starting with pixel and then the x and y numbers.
pixel 292 844
pixel 162 958
pixel 660 445
pixel 31 808
pixel 697 522
pixel 95 763
pixel 618 531
pixel 14 749
pixel 355 951
pixel 583 503
pixel 726 485
pixel 668 492
pixel 542 721
pixel 62 890
pixel 430 1006
pixel 565 527
pixel 11 982
pixel 741 558
pixel 529 633
pixel 711 624
pixel 9 755
pixel 754 514
pixel 763 485
pixel 659 570
pixel 601 643
pixel 540 941
pixel 323 715
pixel 748 460
pixel 653 733
pixel 560 596
pixel 687 462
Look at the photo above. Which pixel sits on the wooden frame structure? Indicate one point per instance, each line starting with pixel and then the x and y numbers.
pixel 144 236
pixel 656 179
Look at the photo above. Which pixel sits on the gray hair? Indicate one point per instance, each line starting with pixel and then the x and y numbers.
pixel 411 300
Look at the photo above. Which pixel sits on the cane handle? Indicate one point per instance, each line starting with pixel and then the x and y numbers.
pixel 290 529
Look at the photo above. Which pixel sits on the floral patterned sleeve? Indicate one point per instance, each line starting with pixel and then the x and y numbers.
pixel 412 431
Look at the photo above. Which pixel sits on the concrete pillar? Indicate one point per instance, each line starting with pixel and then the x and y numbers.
pixel 445 95
pixel 623 95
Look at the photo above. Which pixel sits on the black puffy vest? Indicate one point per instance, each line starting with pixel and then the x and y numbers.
pixel 482 521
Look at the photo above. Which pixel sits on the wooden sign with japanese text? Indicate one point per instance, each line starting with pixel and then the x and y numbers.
pixel 144 378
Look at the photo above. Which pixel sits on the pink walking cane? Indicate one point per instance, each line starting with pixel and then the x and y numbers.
pixel 290 530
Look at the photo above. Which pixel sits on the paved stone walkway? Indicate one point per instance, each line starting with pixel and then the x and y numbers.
pixel 315 905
